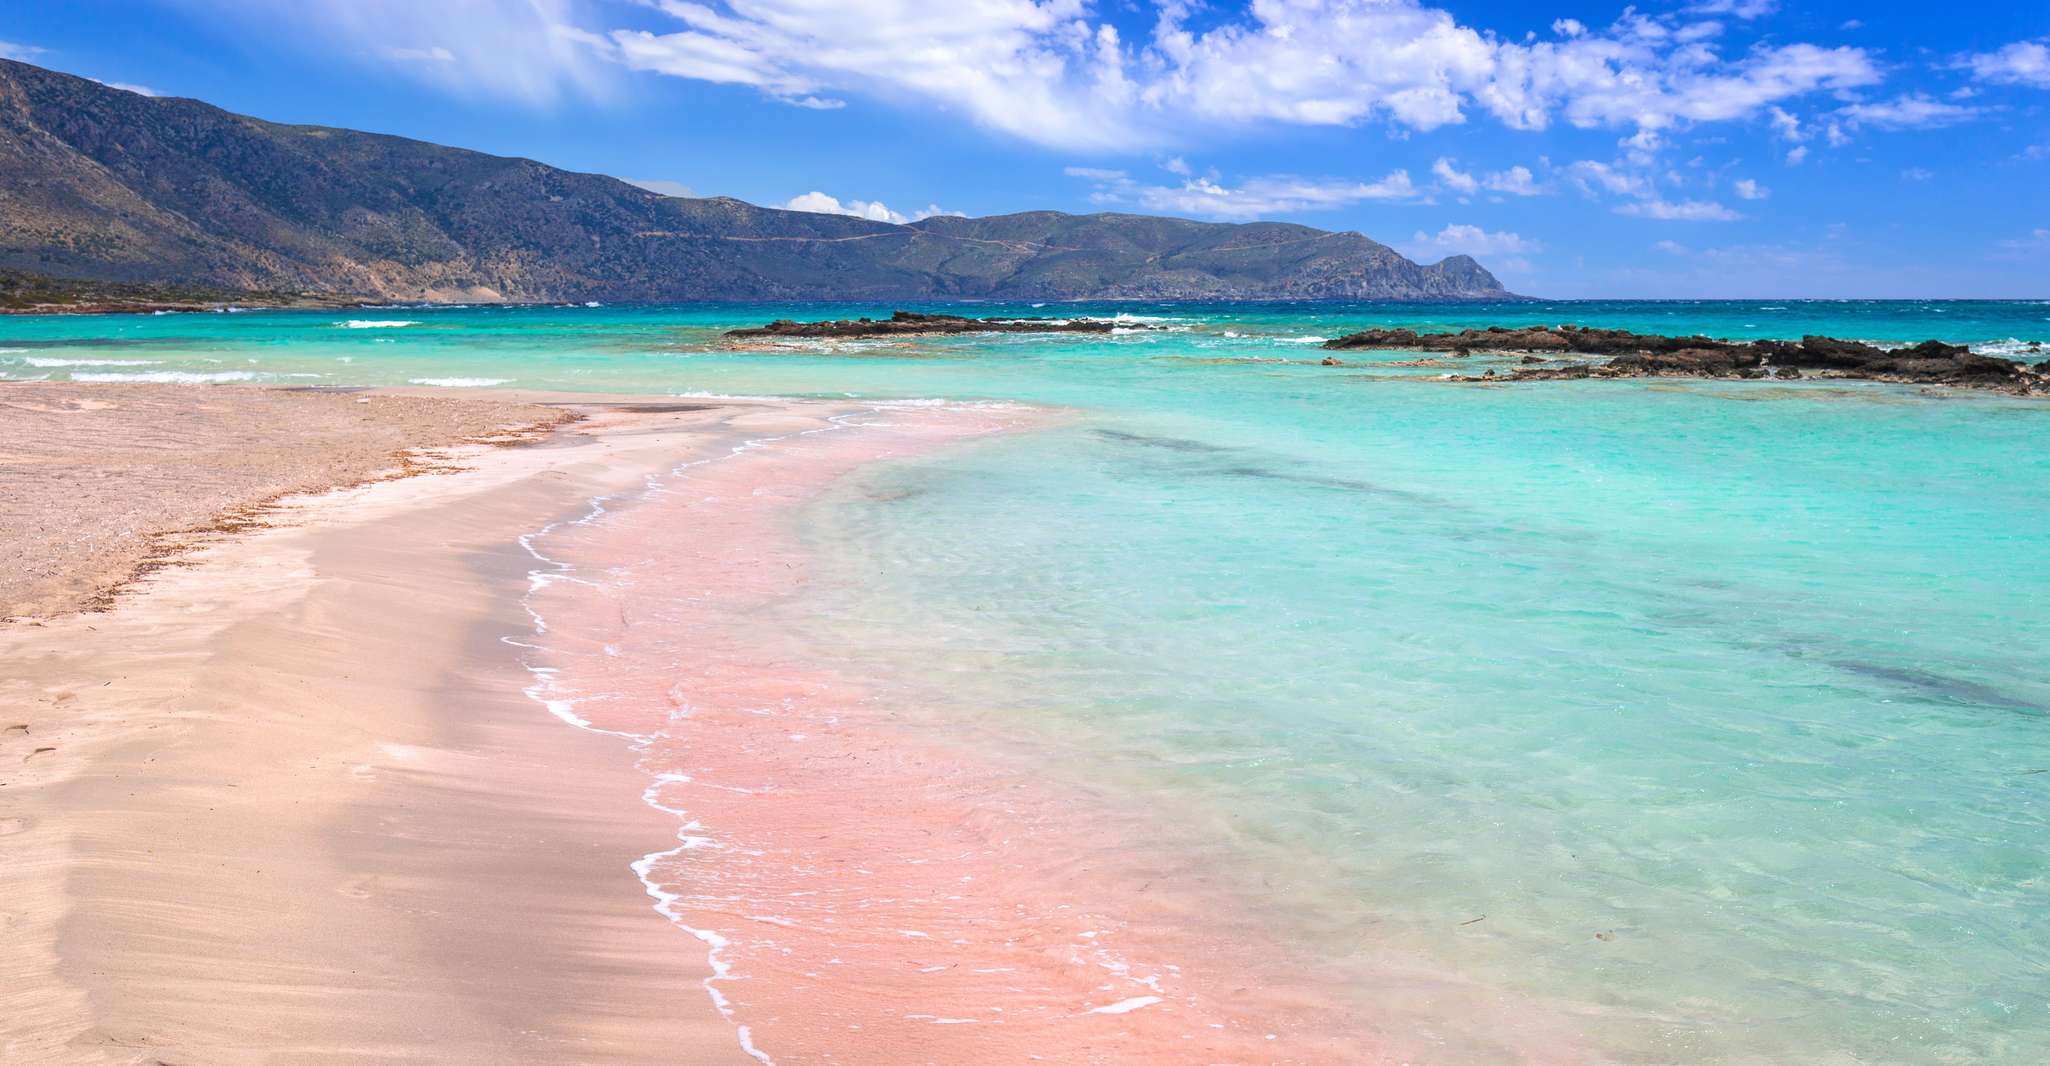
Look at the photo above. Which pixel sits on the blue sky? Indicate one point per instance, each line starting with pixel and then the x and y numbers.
pixel 1706 148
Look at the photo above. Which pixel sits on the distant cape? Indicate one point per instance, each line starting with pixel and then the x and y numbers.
pixel 103 184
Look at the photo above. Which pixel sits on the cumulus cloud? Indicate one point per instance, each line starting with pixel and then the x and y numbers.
pixel 1461 239
pixel 1454 179
pixel 1053 72
pixel 1516 181
pixel 2020 63
pixel 873 210
pixel 1747 189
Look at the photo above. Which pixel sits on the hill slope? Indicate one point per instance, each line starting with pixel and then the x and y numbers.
pixel 109 185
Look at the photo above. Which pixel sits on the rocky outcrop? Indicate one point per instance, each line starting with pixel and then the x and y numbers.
pixel 914 324
pixel 1653 355
pixel 106 185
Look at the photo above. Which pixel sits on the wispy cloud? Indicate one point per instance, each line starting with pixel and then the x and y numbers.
pixel 1908 112
pixel 529 52
pixel 1681 211
pixel 1057 72
pixel 21 52
pixel 1210 196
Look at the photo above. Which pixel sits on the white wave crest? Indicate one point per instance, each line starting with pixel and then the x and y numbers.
pixel 170 377
pixel 376 323
pixel 43 361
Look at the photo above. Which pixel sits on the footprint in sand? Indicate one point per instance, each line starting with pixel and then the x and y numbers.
pixel 18 727
pixel 11 826
pixel 38 751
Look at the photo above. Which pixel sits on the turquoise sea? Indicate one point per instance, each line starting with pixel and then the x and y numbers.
pixel 1713 717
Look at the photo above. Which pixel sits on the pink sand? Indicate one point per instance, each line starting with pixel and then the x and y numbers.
pixel 873 896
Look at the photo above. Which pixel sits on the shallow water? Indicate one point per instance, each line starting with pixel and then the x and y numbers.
pixel 1706 720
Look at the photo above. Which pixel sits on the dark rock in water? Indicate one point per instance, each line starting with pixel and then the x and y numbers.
pixel 1332 360
pixel 1652 355
pixel 912 323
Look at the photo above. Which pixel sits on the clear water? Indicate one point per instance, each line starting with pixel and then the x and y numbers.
pixel 1747 678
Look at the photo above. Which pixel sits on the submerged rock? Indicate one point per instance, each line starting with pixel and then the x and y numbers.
pixel 1653 355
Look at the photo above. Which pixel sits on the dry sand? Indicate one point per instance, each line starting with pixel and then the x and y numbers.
pixel 288 804
pixel 98 480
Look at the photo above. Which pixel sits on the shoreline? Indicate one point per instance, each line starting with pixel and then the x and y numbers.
pixel 252 808
pixel 315 798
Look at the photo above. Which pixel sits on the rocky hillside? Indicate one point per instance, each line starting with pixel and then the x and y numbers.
pixel 102 184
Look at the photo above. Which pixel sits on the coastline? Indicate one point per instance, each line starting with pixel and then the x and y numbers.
pixel 291 802
pixel 300 799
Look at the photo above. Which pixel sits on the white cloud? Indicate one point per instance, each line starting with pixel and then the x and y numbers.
pixel 1271 195
pixel 22 52
pixel 1594 177
pixel 1683 211
pixel 1917 174
pixel 1787 125
pixel 1053 72
pixel 2020 63
pixel 1743 9
pixel 1461 239
pixel 873 210
pixel 1256 197
pixel 1796 154
pixel 1454 179
pixel 531 52
pixel 1516 181
pixel 128 87
pixel 661 185
pixel 1748 189
pixel 1912 111
pixel 1671 247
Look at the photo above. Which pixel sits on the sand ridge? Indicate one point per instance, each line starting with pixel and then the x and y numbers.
pixel 100 482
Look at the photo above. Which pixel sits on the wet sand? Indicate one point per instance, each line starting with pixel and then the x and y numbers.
pixel 301 801
pixel 289 803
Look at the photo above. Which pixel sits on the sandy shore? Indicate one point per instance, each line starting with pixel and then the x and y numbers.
pixel 299 800
pixel 99 481
pixel 289 803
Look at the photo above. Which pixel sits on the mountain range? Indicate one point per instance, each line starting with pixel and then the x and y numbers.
pixel 106 185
